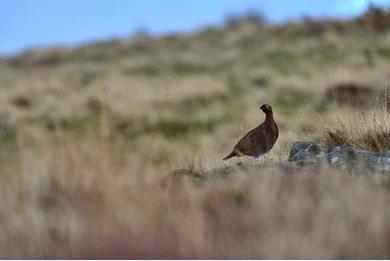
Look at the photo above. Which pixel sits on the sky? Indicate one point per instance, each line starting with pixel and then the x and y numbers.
pixel 40 23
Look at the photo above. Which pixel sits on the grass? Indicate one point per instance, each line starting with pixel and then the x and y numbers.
pixel 78 194
pixel 369 131
pixel 114 149
pixel 292 98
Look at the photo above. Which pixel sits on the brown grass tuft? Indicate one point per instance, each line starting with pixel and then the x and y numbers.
pixel 369 131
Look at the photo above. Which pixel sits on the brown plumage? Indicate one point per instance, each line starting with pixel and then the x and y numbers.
pixel 260 140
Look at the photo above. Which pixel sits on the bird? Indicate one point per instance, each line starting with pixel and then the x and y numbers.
pixel 259 140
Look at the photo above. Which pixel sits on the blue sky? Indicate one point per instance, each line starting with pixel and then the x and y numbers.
pixel 33 23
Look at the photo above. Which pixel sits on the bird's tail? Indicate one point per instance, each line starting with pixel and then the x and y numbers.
pixel 232 154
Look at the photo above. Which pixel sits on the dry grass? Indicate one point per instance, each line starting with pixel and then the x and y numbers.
pixel 86 199
pixel 90 136
pixel 90 199
pixel 368 130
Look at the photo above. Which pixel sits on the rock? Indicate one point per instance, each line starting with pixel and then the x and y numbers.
pixel 304 153
pixel 200 176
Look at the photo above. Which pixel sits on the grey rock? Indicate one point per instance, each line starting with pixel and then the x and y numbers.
pixel 304 153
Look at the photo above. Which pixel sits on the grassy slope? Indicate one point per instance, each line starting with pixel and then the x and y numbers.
pixel 89 136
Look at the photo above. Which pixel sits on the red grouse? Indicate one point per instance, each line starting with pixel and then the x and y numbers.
pixel 260 140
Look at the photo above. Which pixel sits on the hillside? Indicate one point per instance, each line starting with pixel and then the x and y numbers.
pixel 91 135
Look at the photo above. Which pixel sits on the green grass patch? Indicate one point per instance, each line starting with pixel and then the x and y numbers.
pixel 383 51
pixel 291 98
pixel 172 128
pixel 281 60
pixel 185 67
pixel 234 85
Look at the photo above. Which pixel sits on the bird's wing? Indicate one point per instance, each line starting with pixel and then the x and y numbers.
pixel 251 143
pixel 268 135
pixel 258 141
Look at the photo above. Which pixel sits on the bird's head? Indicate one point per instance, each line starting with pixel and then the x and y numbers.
pixel 266 108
